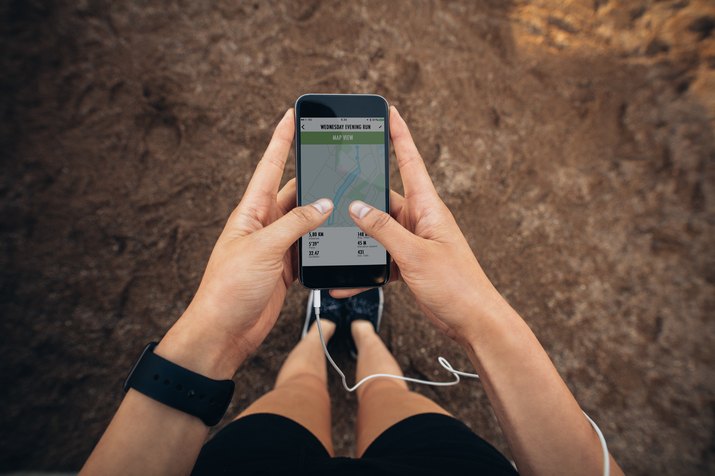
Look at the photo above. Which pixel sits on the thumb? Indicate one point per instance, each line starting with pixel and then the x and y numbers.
pixel 396 239
pixel 286 230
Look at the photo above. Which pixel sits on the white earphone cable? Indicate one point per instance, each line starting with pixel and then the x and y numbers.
pixel 445 364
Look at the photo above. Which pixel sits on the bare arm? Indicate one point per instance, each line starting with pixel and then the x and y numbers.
pixel 544 425
pixel 147 437
pixel 542 421
pixel 236 305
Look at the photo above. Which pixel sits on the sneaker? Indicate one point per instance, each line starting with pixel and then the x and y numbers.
pixel 330 308
pixel 366 306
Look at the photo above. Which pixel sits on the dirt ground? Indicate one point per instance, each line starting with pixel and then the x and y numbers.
pixel 573 141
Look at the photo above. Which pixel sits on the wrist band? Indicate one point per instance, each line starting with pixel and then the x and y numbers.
pixel 179 388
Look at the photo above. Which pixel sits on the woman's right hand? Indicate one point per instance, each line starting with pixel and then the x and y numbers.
pixel 432 256
pixel 543 423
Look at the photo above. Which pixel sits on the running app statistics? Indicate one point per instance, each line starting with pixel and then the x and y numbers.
pixel 342 159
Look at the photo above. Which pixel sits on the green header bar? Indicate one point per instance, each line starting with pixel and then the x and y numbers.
pixel 342 137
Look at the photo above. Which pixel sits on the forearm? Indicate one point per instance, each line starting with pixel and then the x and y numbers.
pixel 146 437
pixel 544 425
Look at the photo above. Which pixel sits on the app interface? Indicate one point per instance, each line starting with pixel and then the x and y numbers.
pixel 342 158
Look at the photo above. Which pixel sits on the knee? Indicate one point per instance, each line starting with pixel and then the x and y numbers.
pixel 383 388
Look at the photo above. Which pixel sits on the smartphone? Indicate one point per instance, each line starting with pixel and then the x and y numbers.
pixel 342 151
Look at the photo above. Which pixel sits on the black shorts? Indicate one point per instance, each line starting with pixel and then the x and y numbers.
pixel 429 443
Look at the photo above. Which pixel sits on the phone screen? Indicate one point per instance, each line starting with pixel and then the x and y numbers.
pixel 342 158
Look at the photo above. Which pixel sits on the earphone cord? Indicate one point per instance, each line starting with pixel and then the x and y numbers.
pixel 446 365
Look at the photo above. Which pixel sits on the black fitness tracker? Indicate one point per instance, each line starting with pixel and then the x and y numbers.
pixel 179 388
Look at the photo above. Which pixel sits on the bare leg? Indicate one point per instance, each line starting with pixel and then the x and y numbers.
pixel 382 402
pixel 300 392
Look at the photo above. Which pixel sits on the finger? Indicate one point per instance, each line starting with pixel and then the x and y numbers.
pixel 285 231
pixel 286 197
pixel 397 240
pixel 397 201
pixel 394 272
pixel 267 177
pixel 346 293
pixel 412 168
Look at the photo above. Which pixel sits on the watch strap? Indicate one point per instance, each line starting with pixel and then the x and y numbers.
pixel 180 388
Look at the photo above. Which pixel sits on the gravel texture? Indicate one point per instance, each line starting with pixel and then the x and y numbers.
pixel 572 140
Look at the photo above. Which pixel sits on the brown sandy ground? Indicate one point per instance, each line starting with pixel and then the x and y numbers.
pixel 573 141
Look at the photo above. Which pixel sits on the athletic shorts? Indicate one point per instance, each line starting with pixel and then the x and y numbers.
pixel 429 443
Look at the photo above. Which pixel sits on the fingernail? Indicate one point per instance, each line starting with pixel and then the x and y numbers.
pixel 396 111
pixel 323 205
pixel 359 209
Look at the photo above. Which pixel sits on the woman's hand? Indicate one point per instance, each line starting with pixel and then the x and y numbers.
pixel 249 271
pixel 431 254
pixel 236 305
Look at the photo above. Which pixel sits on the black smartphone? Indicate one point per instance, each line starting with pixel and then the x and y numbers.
pixel 342 151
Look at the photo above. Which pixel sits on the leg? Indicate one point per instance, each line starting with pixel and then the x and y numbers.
pixel 300 392
pixel 382 402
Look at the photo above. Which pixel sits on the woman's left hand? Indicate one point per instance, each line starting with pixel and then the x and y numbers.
pixel 250 269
